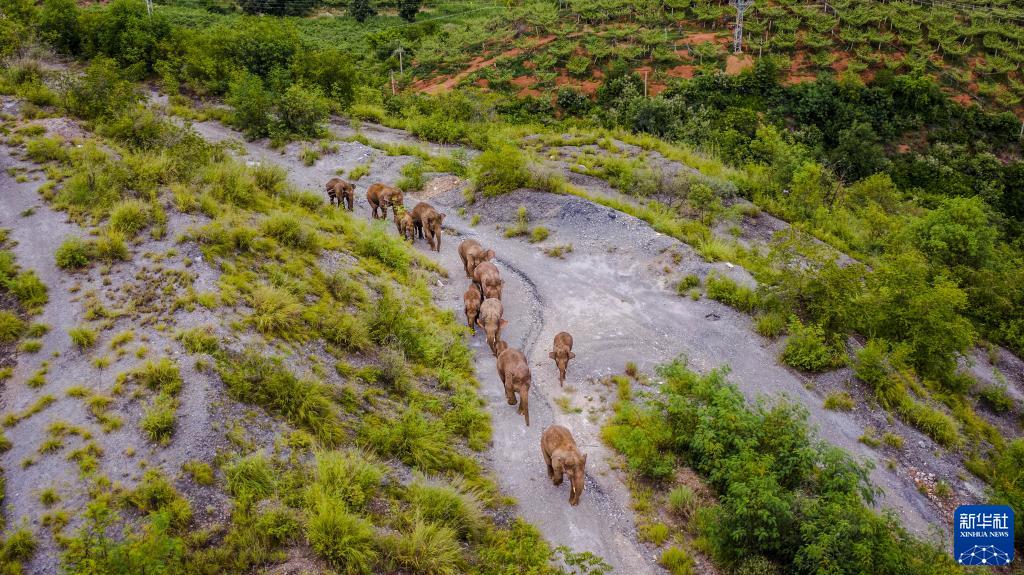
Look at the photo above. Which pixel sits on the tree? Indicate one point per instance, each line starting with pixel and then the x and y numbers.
pixel 58 25
pixel 252 104
pixel 858 153
pixel 408 9
pixel 287 8
pixel 362 9
pixel 958 232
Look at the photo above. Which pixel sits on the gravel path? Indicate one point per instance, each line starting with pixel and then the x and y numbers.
pixel 613 295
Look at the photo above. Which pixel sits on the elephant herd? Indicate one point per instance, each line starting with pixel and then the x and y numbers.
pixel 484 309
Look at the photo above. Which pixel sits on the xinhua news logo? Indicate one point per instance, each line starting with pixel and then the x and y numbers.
pixel 983 535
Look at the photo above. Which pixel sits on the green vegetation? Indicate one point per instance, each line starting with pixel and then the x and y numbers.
pixel 783 495
pixel 82 336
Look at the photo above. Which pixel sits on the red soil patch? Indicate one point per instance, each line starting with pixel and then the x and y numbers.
pixel 483 83
pixel 530 65
pixel 798 79
pixel 705 37
pixel 735 64
pixel 524 81
pixel 444 85
pixel 598 74
pixel 841 61
pixel 683 71
pixel 963 99
pixel 529 93
pixel 655 89
pixel 903 148
pixel 590 88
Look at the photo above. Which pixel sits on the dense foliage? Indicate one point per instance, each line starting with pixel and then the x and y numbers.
pixel 782 494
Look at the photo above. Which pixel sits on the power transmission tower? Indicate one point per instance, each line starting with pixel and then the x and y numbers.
pixel 401 52
pixel 149 7
pixel 737 39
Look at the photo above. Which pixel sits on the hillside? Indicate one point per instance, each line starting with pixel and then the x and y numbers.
pixel 797 304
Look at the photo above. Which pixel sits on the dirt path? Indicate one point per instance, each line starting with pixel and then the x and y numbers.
pixel 611 294
pixel 435 87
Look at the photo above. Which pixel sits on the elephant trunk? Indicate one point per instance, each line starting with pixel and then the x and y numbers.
pixel 524 403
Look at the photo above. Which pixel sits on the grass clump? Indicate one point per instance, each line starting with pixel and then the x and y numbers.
pixel 129 216
pixel 158 421
pixel 424 548
pixel 73 254
pixel 728 291
pixel 808 350
pixel 11 327
pixel 771 324
pixel 677 561
pixel 996 398
pixel 30 291
pixel 538 234
pixel 199 340
pixel 199 471
pixel 351 477
pixel 289 231
pixel 251 479
pixel 83 337
pixel 161 375
pixel 342 539
pixel 839 401
pixel 453 505
pixel 359 171
pixel 275 312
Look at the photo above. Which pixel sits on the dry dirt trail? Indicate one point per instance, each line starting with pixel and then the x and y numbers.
pixel 611 294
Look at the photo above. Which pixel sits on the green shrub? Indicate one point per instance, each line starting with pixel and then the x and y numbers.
pixel 351 477
pixel 500 170
pixel 425 548
pixel 677 561
pixel 130 216
pixel 996 398
pixel 251 479
pixel 29 290
pixel 288 230
pixel 359 171
pixel 726 290
pixel 161 375
pixel 200 471
pixel 412 179
pixel 302 111
pixel 270 178
pixel 263 381
pixel 199 340
pixel 275 312
pixel 687 283
pixel 411 437
pixel 935 424
pixel 158 421
pixel 251 103
pixel 11 327
pixel 807 349
pixel 874 367
pixel 455 506
pixel 839 401
pixel 82 336
pixel 43 149
pixel 345 541
pixel 231 182
pixel 111 247
pixel 757 565
pixel 538 234
pixel 156 494
pixel 771 324
pixel 682 501
pixel 654 533
pixel 74 253
pixel 377 243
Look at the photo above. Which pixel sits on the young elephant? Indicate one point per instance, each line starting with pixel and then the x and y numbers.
pixel 488 279
pixel 472 300
pixel 490 319
pixel 562 354
pixel 405 227
pixel 563 458
pixel 472 254
pixel 380 197
pixel 428 224
pixel 514 372
pixel 342 192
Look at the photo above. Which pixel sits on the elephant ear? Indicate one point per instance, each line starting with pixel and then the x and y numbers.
pixel 440 218
pixel 504 322
pixel 572 355
pixel 489 254
pixel 552 355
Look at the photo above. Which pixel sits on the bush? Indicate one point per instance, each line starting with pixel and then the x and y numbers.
pixel 29 290
pixel 996 398
pixel 682 501
pixel 101 92
pixel 677 561
pixel 344 540
pixel 806 348
pixel 82 337
pixel 129 217
pixel 11 327
pixel 159 419
pixel 771 324
pixel 275 312
pixel 841 401
pixel 500 170
pixel 425 548
pixel 412 177
pixel 454 506
pixel 250 479
pixel 251 103
pixel 351 477
pixel 572 101
pixel 288 230
pixel 231 182
pixel 161 375
pixel 727 291
pixel 302 111
pixel 111 247
pixel 58 25
pixel 377 243
pixel 73 253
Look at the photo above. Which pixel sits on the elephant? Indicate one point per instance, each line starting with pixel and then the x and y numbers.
pixel 380 197
pixel 403 222
pixel 563 457
pixel 490 319
pixel 562 354
pixel 514 372
pixel 428 224
pixel 488 279
pixel 472 253
pixel 342 192
pixel 472 299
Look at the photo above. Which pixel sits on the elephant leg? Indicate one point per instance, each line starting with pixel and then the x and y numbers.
pixel 510 395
